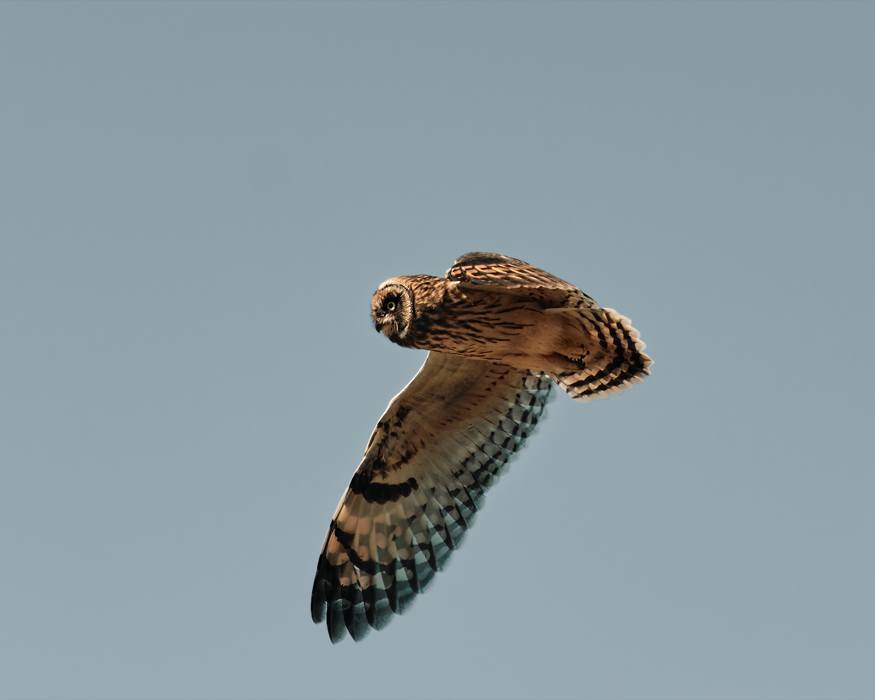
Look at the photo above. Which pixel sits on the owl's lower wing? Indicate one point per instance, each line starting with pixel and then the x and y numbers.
pixel 432 456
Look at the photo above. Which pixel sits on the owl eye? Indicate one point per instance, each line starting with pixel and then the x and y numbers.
pixel 390 305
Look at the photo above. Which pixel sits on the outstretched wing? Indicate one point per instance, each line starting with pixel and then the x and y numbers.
pixel 438 447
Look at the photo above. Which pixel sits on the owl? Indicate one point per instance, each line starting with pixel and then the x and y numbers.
pixel 499 334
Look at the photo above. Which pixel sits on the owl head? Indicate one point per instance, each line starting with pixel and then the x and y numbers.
pixel 392 310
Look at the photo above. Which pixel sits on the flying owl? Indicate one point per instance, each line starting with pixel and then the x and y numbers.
pixel 500 333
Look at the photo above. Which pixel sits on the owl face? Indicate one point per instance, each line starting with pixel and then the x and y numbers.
pixel 392 310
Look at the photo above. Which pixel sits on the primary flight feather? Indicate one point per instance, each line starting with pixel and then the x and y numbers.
pixel 499 332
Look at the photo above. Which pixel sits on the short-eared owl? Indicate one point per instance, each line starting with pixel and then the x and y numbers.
pixel 499 332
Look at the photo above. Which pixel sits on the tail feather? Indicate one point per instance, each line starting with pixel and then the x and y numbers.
pixel 611 357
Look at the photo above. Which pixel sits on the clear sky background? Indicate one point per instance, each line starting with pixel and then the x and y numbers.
pixel 197 202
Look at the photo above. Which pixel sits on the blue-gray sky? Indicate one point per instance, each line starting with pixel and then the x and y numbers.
pixel 197 202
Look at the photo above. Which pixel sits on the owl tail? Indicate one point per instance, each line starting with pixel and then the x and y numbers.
pixel 607 350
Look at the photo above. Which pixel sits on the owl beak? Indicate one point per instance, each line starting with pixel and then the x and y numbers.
pixel 385 326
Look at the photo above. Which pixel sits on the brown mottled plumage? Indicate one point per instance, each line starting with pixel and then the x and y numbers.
pixel 498 331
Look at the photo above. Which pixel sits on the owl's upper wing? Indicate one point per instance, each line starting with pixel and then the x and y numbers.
pixel 440 444
pixel 608 349
pixel 503 273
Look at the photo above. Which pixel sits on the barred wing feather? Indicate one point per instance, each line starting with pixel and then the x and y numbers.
pixel 436 450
